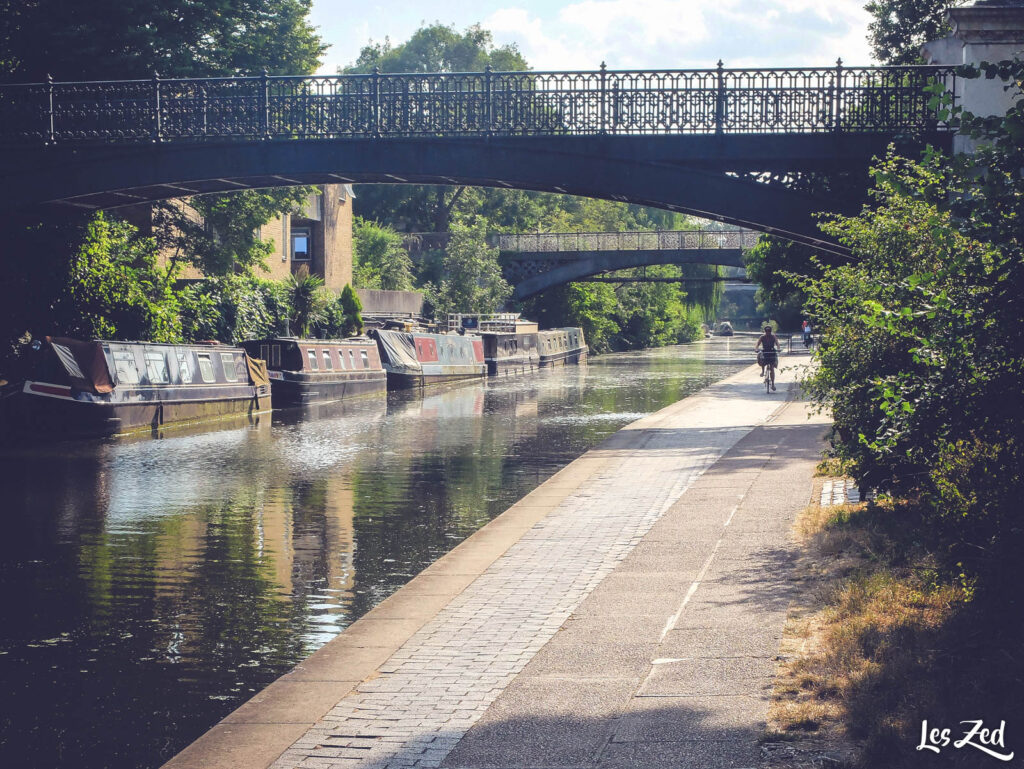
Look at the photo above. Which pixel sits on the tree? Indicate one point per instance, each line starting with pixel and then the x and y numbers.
pixel 472 279
pixel 351 309
pixel 923 357
pixel 115 288
pixel 307 299
pixel 381 260
pixel 434 48
pixel 901 27
pixel 439 48
pixel 130 39
pixel 124 39
pixel 217 233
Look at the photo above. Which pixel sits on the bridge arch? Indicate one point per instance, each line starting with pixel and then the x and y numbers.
pixel 103 177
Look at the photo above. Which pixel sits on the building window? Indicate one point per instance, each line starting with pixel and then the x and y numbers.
pixel 302 244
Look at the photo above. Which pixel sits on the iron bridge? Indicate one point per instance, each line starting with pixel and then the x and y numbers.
pixel 737 145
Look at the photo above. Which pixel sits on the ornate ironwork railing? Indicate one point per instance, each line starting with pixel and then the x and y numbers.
pixel 642 240
pixel 470 104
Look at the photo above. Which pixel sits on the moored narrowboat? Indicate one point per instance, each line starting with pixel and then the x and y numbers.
pixel 305 371
pixel 101 388
pixel 418 359
pixel 561 346
pixel 510 353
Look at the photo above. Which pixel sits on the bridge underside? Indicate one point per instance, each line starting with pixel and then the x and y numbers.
pixel 700 175
pixel 533 273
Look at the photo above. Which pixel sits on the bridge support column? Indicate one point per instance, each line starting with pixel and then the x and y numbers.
pixel 985 31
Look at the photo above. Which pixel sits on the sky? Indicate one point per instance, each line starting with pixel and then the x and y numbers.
pixel 625 34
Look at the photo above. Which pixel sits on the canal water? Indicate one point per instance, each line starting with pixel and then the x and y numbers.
pixel 152 585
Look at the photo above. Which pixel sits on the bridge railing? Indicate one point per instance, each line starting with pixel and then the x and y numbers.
pixel 643 240
pixel 815 100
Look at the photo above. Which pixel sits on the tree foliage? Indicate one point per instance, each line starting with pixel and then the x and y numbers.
pixel 923 357
pixel 219 233
pixel 439 48
pixel 115 286
pixel 130 39
pixel 380 258
pixel 472 279
pixel 901 27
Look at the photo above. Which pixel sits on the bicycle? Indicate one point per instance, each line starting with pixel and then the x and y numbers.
pixel 766 376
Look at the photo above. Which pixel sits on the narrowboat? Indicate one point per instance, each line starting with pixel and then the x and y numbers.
pixel 101 388
pixel 305 371
pixel 418 359
pixel 510 353
pixel 560 346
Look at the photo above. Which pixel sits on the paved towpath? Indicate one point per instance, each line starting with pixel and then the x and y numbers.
pixel 625 613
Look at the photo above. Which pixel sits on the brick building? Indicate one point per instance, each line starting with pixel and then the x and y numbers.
pixel 318 237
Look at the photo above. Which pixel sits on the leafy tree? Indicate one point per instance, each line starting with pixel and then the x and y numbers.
pixel 924 349
pixel 472 279
pixel 381 260
pixel 434 48
pixel 232 308
pixel 901 27
pixel 780 267
pixel 439 48
pixel 218 233
pixel 130 39
pixel 115 288
pixel 351 308
pixel 124 39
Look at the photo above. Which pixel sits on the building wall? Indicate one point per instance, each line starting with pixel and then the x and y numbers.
pixel 328 216
pixel 329 220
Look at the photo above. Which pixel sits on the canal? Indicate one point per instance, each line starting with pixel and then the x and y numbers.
pixel 152 585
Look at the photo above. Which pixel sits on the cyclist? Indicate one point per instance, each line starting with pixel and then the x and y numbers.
pixel 770 343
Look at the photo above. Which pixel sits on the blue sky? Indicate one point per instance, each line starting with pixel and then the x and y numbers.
pixel 627 34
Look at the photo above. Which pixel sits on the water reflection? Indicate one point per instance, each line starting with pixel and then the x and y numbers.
pixel 152 585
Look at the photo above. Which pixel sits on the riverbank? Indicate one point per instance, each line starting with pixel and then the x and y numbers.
pixel 526 644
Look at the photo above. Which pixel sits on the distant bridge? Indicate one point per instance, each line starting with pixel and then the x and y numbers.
pixel 742 146
pixel 534 262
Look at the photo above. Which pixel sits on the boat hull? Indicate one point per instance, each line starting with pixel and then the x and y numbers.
pixel 45 410
pixel 300 390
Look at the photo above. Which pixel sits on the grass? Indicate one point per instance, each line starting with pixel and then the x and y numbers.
pixel 887 634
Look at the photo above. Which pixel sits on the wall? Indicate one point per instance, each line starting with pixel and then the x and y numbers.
pixel 377 302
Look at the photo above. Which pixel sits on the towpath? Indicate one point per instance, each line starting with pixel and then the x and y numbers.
pixel 626 613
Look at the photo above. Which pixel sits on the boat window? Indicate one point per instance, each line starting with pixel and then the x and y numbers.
pixel 327 360
pixel 206 367
pixel 229 366
pixel 341 358
pixel 275 355
pixel 265 352
pixel 156 368
pixel 351 359
pixel 184 367
pixel 124 367
pixel 366 358
pixel 311 354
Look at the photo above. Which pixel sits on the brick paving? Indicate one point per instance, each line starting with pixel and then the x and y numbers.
pixel 424 699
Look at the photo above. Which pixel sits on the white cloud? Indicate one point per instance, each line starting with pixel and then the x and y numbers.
pixel 673 34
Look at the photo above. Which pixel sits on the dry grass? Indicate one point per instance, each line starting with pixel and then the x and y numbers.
pixel 867 627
